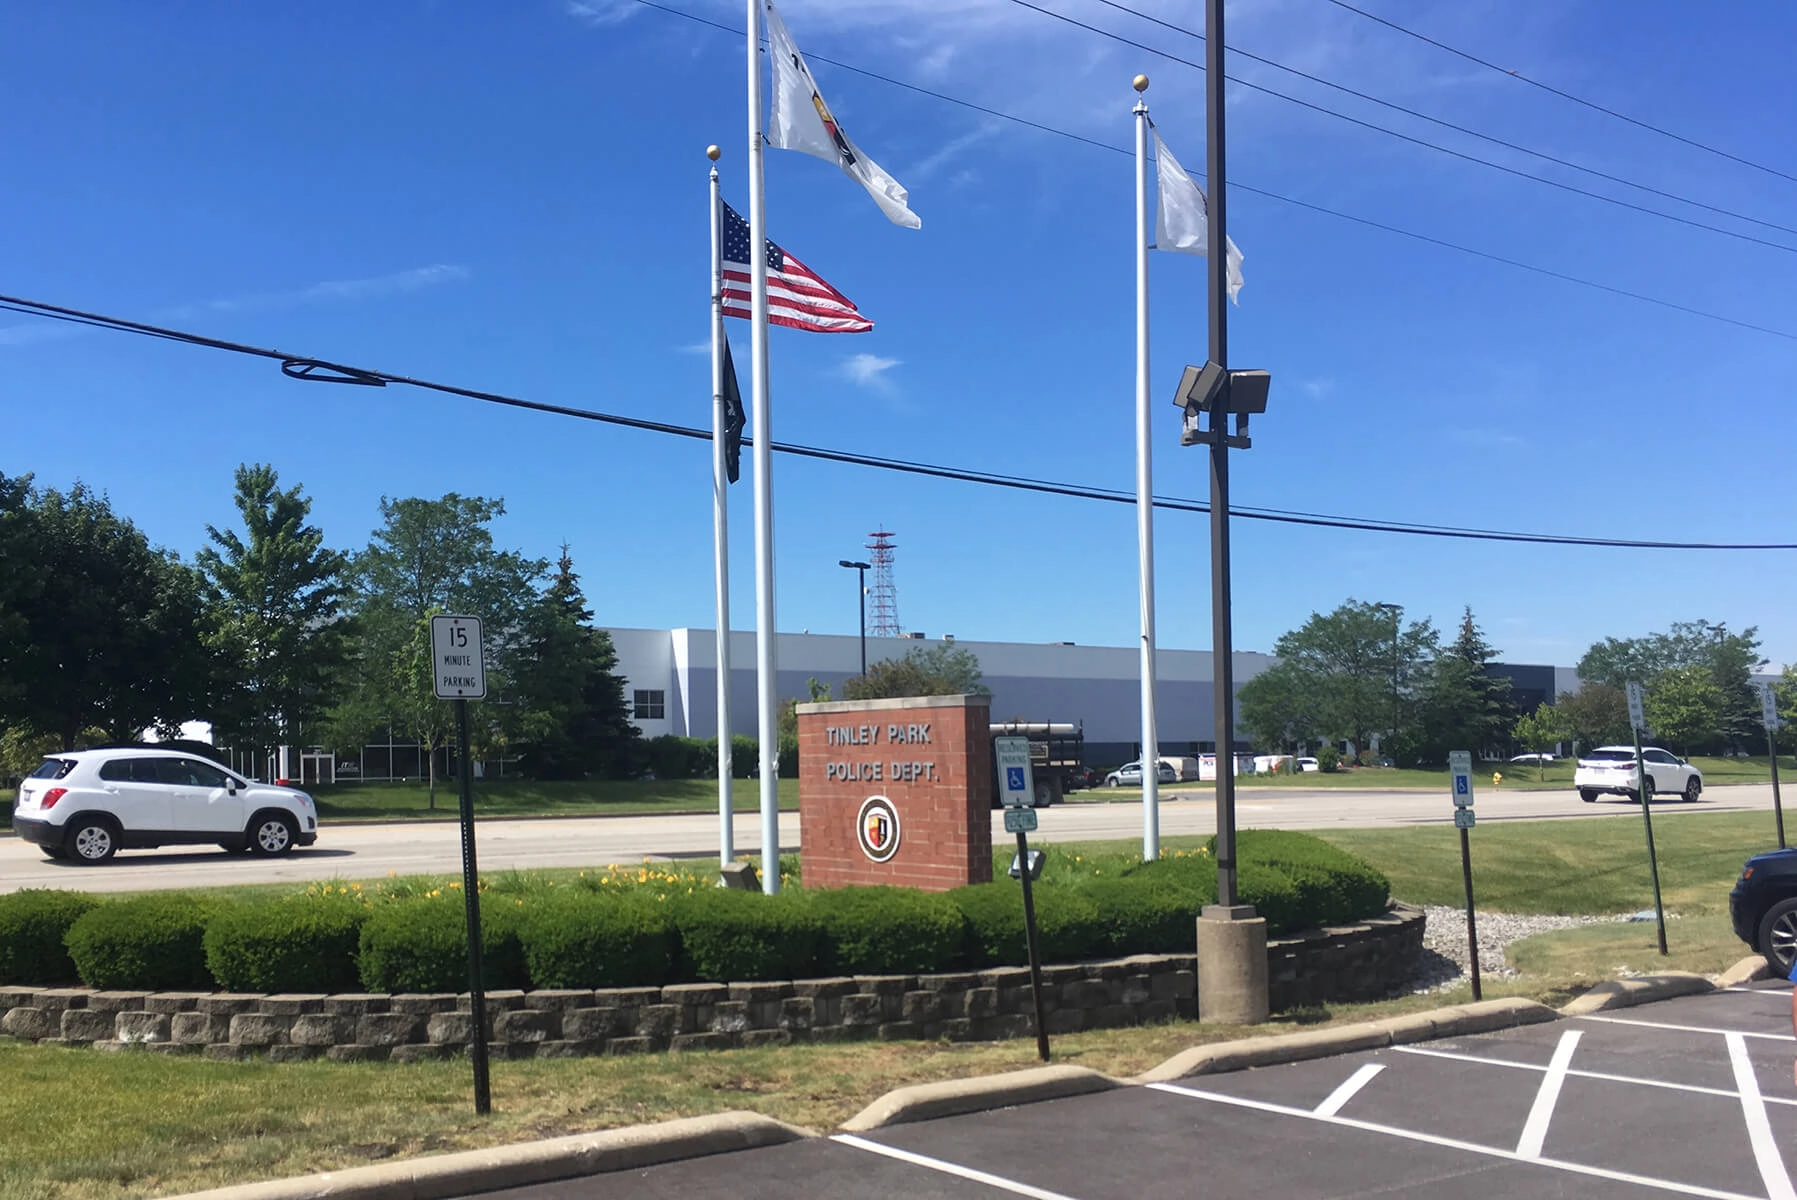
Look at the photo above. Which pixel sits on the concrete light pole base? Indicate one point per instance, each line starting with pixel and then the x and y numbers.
pixel 1232 965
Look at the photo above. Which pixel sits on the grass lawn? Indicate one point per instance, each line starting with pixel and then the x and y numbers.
pixel 524 798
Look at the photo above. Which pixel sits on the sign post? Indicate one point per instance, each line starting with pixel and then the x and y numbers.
pixel 1460 771
pixel 459 669
pixel 1644 793
pixel 1769 714
pixel 1017 790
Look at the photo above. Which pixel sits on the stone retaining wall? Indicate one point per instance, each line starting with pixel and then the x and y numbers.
pixel 1356 962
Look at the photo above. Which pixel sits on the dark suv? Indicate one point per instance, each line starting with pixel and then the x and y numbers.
pixel 1764 908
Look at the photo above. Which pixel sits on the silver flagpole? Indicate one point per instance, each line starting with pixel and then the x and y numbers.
pixel 720 520
pixel 1151 752
pixel 766 666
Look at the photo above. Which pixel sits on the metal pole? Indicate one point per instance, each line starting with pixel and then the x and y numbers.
pixel 1029 933
pixel 1222 642
pixel 766 657
pixel 1778 808
pixel 720 529
pixel 1653 863
pixel 861 588
pixel 1472 927
pixel 1151 746
pixel 477 992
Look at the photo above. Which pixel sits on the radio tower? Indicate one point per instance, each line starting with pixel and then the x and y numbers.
pixel 883 594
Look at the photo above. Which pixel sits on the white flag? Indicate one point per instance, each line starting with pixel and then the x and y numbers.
pixel 800 120
pixel 1182 222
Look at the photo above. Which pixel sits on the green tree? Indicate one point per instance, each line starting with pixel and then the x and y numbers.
pixel 428 556
pixel 101 630
pixel 1362 675
pixel 1728 657
pixel 574 722
pixel 1462 705
pixel 1280 708
pixel 276 594
pixel 1685 706
pixel 1596 715
pixel 1540 730
pixel 945 670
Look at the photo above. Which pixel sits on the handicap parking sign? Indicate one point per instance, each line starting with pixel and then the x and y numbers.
pixel 1462 784
pixel 1014 780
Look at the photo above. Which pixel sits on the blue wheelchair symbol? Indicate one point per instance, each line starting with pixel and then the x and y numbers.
pixel 1014 779
pixel 1462 785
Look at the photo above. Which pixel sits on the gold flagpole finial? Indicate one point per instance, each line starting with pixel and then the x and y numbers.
pixel 1141 83
pixel 712 152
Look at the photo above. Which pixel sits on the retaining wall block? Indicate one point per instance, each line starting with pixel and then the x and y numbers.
pixel 921 1006
pixel 62 999
pixel 949 981
pixel 19 997
pixel 626 997
pixel 259 1029
pixel 899 1031
pixel 171 1002
pixel 527 1025
pixel 559 999
pixel 729 1016
pixel 397 1029
pixel 31 1023
pixel 1065 1020
pixel 200 1028
pixel 291 1053
pixel 701 1041
pixel 833 987
pixel 981 1002
pixel 421 1052
pixel 501 1000
pixel 425 1003
pixel 574 1049
pixel 861 1009
pixel 658 1021
pixel 291 1004
pixel 694 994
pixel 116 1002
pixel 765 1037
pixel 798 1012
pixel 354 1004
pixel 450 1029
pixel 229 1052
pixel 759 992
pixel 322 1029
pixel 228 1004
pixel 85 1025
pixel 354 1053
pixel 594 1024
pixel 630 1045
pixel 135 1028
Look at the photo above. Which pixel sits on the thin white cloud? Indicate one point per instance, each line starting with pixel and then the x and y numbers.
pixel 869 371
pixel 1318 389
pixel 601 12
pixel 696 348
pixel 946 152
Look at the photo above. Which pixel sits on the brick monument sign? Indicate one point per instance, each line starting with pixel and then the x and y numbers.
pixel 896 791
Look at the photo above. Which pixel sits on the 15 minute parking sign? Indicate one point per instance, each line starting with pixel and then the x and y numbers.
pixel 1015 786
pixel 458 665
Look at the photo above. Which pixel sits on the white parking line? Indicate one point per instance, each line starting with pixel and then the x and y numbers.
pixel 1771 1037
pixel 1759 1129
pixel 1604 1076
pixel 1668 1185
pixel 955 1169
pixel 1345 1093
pixel 1541 1113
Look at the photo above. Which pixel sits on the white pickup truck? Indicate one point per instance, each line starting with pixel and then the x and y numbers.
pixel 1610 770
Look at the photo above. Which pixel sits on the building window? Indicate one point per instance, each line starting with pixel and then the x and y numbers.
pixel 650 706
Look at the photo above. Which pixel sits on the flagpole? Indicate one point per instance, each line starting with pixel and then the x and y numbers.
pixel 720 523
pixel 1151 756
pixel 766 666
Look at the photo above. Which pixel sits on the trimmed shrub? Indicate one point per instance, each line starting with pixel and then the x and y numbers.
pixel 674 757
pixel 146 943
pixel 1273 895
pixel 887 931
pixel 1193 877
pixel 1328 758
pixel 728 935
pixel 1334 887
pixel 422 946
pixel 582 940
pixel 1144 915
pixel 1068 924
pixel 294 944
pixel 33 924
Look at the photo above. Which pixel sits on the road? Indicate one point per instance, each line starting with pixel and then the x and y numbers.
pixel 350 851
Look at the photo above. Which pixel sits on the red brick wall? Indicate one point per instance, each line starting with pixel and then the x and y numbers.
pixel 941 790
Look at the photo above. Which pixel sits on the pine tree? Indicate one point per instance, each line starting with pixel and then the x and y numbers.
pixel 574 723
pixel 1465 706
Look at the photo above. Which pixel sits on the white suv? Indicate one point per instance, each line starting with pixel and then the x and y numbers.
pixel 87 805
pixel 1611 770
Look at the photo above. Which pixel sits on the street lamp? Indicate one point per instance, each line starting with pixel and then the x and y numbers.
pixel 860 569
pixel 1394 610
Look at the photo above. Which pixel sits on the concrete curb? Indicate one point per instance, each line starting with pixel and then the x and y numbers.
pixel 1624 993
pixel 957 1097
pixel 1367 1035
pixel 1749 970
pixel 471 1171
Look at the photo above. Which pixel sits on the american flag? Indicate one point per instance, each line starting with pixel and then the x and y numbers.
pixel 795 295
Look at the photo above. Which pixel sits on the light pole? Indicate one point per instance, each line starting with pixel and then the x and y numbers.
pixel 1395 610
pixel 860 569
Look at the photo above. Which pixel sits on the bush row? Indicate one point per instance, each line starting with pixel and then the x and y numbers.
pixel 579 938
pixel 672 757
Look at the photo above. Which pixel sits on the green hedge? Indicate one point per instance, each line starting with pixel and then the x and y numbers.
pixel 583 940
pixel 294 944
pixel 146 942
pixel 422 946
pixel 727 935
pixel 33 924
pixel 887 931
pixel 1069 924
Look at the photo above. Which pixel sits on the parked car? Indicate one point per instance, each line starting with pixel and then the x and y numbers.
pixel 1082 777
pixel 1763 907
pixel 1309 764
pixel 1130 775
pixel 87 805
pixel 1534 758
pixel 1610 770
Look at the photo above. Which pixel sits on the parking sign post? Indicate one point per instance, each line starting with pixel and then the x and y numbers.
pixel 1017 791
pixel 458 667
pixel 1638 719
pixel 1769 713
pixel 1460 771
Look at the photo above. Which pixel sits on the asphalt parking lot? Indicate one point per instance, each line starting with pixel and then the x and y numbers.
pixel 1690 1097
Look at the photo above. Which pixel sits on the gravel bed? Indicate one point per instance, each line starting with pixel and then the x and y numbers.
pixel 1445 962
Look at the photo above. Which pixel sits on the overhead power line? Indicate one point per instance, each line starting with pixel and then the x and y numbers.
pixel 1368 222
pixel 1565 95
pixel 1455 126
pixel 324 370
pixel 1373 126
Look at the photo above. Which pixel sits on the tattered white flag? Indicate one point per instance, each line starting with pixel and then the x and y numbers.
pixel 800 120
pixel 1182 222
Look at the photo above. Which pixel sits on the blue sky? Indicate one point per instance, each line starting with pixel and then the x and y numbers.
pixel 512 197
